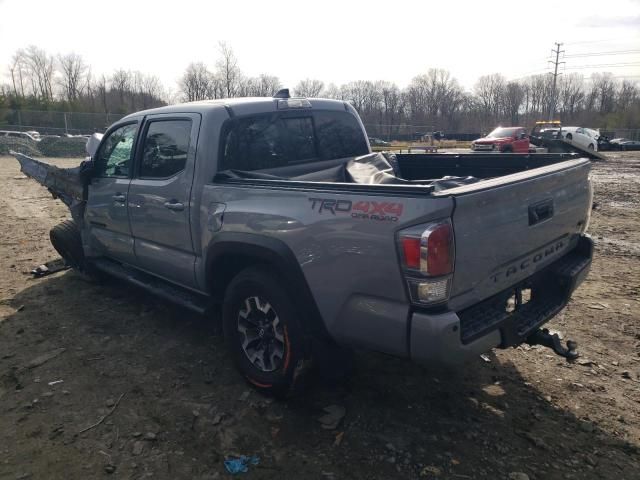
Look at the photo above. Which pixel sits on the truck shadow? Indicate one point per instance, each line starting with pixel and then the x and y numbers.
pixel 402 421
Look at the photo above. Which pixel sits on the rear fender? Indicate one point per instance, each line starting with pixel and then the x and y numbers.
pixel 278 256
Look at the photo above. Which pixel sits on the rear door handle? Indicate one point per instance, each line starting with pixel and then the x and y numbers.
pixel 119 197
pixel 175 206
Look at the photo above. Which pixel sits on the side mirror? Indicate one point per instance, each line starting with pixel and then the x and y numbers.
pixel 93 143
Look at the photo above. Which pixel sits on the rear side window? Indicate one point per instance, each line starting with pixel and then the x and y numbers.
pixel 277 140
pixel 339 135
pixel 165 148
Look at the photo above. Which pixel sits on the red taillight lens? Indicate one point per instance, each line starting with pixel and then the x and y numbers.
pixel 429 250
pixel 439 250
pixel 411 252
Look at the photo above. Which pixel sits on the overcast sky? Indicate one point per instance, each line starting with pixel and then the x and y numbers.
pixel 335 41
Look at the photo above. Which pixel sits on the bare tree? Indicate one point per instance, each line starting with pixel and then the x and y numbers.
pixel 356 94
pixel 73 79
pixel 18 70
pixel 333 91
pixel 227 71
pixel 628 95
pixel 391 111
pixel 261 86
pixel 489 91
pixel 268 85
pixel 197 83
pixel 308 88
pixel 434 98
pixel 41 69
pixel 121 82
pixel 539 92
pixel 603 86
pixel 571 94
pixel 513 100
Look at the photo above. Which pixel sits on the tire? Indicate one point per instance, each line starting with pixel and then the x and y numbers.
pixel 507 149
pixel 263 333
pixel 590 147
pixel 569 136
pixel 65 238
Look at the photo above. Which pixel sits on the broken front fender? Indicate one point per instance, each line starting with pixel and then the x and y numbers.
pixel 67 184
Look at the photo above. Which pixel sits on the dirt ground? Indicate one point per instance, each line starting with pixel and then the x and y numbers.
pixel 73 352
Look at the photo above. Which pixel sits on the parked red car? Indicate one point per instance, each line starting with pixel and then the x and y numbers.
pixel 503 139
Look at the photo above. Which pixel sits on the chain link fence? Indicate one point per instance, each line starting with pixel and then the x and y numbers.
pixel 76 123
pixel 56 123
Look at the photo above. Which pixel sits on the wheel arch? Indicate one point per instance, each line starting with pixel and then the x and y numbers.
pixel 231 252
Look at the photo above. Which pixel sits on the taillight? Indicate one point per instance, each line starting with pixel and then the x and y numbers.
pixel 427 255
pixel 411 252
pixel 439 250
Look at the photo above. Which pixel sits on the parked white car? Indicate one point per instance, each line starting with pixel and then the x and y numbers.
pixel 24 135
pixel 583 137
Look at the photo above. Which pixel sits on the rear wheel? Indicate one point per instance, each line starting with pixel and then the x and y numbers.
pixel 507 149
pixel 590 147
pixel 569 136
pixel 263 332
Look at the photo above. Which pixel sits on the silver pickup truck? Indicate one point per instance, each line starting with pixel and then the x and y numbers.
pixel 276 209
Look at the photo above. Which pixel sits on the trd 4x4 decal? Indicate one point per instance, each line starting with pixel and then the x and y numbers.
pixel 383 211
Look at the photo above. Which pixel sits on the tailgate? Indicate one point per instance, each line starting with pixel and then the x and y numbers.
pixel 510 227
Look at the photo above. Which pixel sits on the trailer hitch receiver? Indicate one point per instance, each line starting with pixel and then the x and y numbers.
pixel 543 337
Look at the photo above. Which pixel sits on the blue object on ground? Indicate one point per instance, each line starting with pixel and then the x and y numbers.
pixel 240 464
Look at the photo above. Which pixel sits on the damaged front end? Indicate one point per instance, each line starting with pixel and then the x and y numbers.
pixel 67 184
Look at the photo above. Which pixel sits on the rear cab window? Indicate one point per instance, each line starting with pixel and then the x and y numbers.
pixel 281 139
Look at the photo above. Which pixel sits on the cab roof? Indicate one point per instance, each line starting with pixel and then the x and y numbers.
pixel 241 106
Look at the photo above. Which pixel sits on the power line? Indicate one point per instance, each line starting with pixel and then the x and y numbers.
pixel 602 54
pixel 583 42
pixel 603 65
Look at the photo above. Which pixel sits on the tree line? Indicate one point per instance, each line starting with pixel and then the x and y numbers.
pixel 433 100
pixel 38 80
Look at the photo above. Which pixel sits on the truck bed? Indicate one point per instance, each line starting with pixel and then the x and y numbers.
pixel 413 172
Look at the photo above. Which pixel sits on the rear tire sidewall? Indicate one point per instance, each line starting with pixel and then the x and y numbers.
pixel 569 136
pixel 258 282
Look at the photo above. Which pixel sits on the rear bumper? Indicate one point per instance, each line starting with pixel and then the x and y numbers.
pixel 453 337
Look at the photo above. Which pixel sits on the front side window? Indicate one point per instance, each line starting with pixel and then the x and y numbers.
pixel 165 148
pixel 114 157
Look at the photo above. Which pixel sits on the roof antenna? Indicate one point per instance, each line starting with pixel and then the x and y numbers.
pixel 282 93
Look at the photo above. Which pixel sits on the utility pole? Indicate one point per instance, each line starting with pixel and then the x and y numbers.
pixel 552 102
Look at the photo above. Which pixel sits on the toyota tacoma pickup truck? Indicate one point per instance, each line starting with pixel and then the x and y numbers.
pixel 276 211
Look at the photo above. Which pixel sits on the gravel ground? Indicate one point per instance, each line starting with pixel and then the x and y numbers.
pixel 104 381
